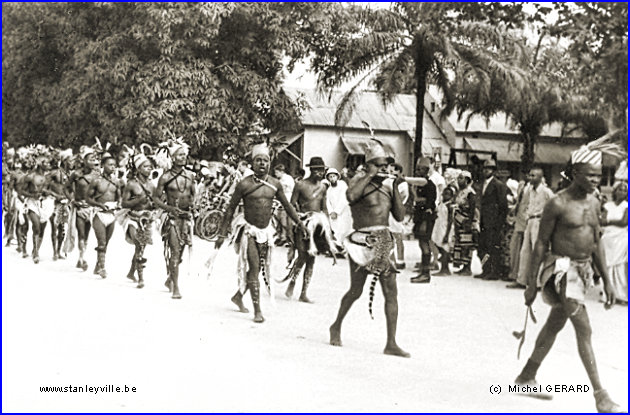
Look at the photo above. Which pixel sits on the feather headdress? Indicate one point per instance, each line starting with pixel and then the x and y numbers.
pixel 167 149
pixel 591 153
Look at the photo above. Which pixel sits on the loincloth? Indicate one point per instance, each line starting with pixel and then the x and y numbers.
pixel 43 208
pixel 85 213
pixel 20 209
pixel 181 225
pixel 319 238
pixel 107 217
pixel 243 233
pixel 564 279
pixel 62 212
pixel 142 221
pixel 371 248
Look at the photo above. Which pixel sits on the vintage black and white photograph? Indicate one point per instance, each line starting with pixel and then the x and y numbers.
pixel 315 207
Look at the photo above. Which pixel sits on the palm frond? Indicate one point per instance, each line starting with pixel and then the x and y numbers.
pixel 394 75
pixel 349 101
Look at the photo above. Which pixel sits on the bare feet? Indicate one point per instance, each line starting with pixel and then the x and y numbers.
pixel 335 336
pixel 131 277
pixel 176 295
pixel 140 284
pixel 102 273
pixel 167 284
pixel 238 300
pixel 603 403
pixel 305 299
pixel 394 350
pixel 289 291
pixel 36 259
pixel 258 318
pixel 84 265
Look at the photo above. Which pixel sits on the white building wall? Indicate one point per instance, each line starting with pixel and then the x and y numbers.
pixel 326 143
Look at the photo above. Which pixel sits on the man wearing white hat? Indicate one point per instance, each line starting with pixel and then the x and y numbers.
pixel 369 247
pixel 566 251
pixel 337 204
pixel 137 223
pixel 175 194
pixel 252 232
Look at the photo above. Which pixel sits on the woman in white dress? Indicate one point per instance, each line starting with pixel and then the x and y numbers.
pixel 615 239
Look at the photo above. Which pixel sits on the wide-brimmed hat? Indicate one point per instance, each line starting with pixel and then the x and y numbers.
pixel 316 162
pixel 332 170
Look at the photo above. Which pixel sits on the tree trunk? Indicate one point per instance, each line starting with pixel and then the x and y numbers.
pixel 422 66
pixel 527 157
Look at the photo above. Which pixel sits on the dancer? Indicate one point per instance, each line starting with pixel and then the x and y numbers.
pixel 57 186
pixel 175 193
pixel 104 194
pixel 369 247
pixel 309 197
pixel 567 248
pixel 22 166
pixel 252 232
pixel 82 212
pixel 39 206
pixel 137 222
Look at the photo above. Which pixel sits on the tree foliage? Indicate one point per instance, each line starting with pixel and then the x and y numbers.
pixel 143 72
pixel 598 46
pixel 405 47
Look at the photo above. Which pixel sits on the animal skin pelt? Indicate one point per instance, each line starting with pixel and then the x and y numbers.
pixel 313 220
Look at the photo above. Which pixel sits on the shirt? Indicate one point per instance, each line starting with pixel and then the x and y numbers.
pixel 536 199
pixel 288 184
pixel 440 185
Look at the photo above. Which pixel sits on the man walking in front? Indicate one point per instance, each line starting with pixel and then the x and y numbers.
pixel 567 249
pixel 370 246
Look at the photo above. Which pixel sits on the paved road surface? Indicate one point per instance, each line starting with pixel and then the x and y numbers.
pixel 64 327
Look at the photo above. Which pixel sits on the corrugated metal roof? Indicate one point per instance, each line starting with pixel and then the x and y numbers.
pixel 544 152
pixel 499 124
pixel 399 115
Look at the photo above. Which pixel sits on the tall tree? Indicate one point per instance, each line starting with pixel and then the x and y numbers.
pixel 598 45
pixel 542 100
pixel 134 72
pixel 413 44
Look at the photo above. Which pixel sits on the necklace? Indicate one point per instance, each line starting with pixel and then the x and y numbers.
pixel 177 181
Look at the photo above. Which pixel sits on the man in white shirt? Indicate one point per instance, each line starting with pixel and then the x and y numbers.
pixel 338 206
pixel 537 194
pixel 440 184
pixel 396 227
pixel 288 184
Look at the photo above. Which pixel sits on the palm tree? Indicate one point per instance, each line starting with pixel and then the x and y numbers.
pixel 406 47
pixel 548 96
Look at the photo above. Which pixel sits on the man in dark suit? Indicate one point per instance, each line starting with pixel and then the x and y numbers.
pixel 493 214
